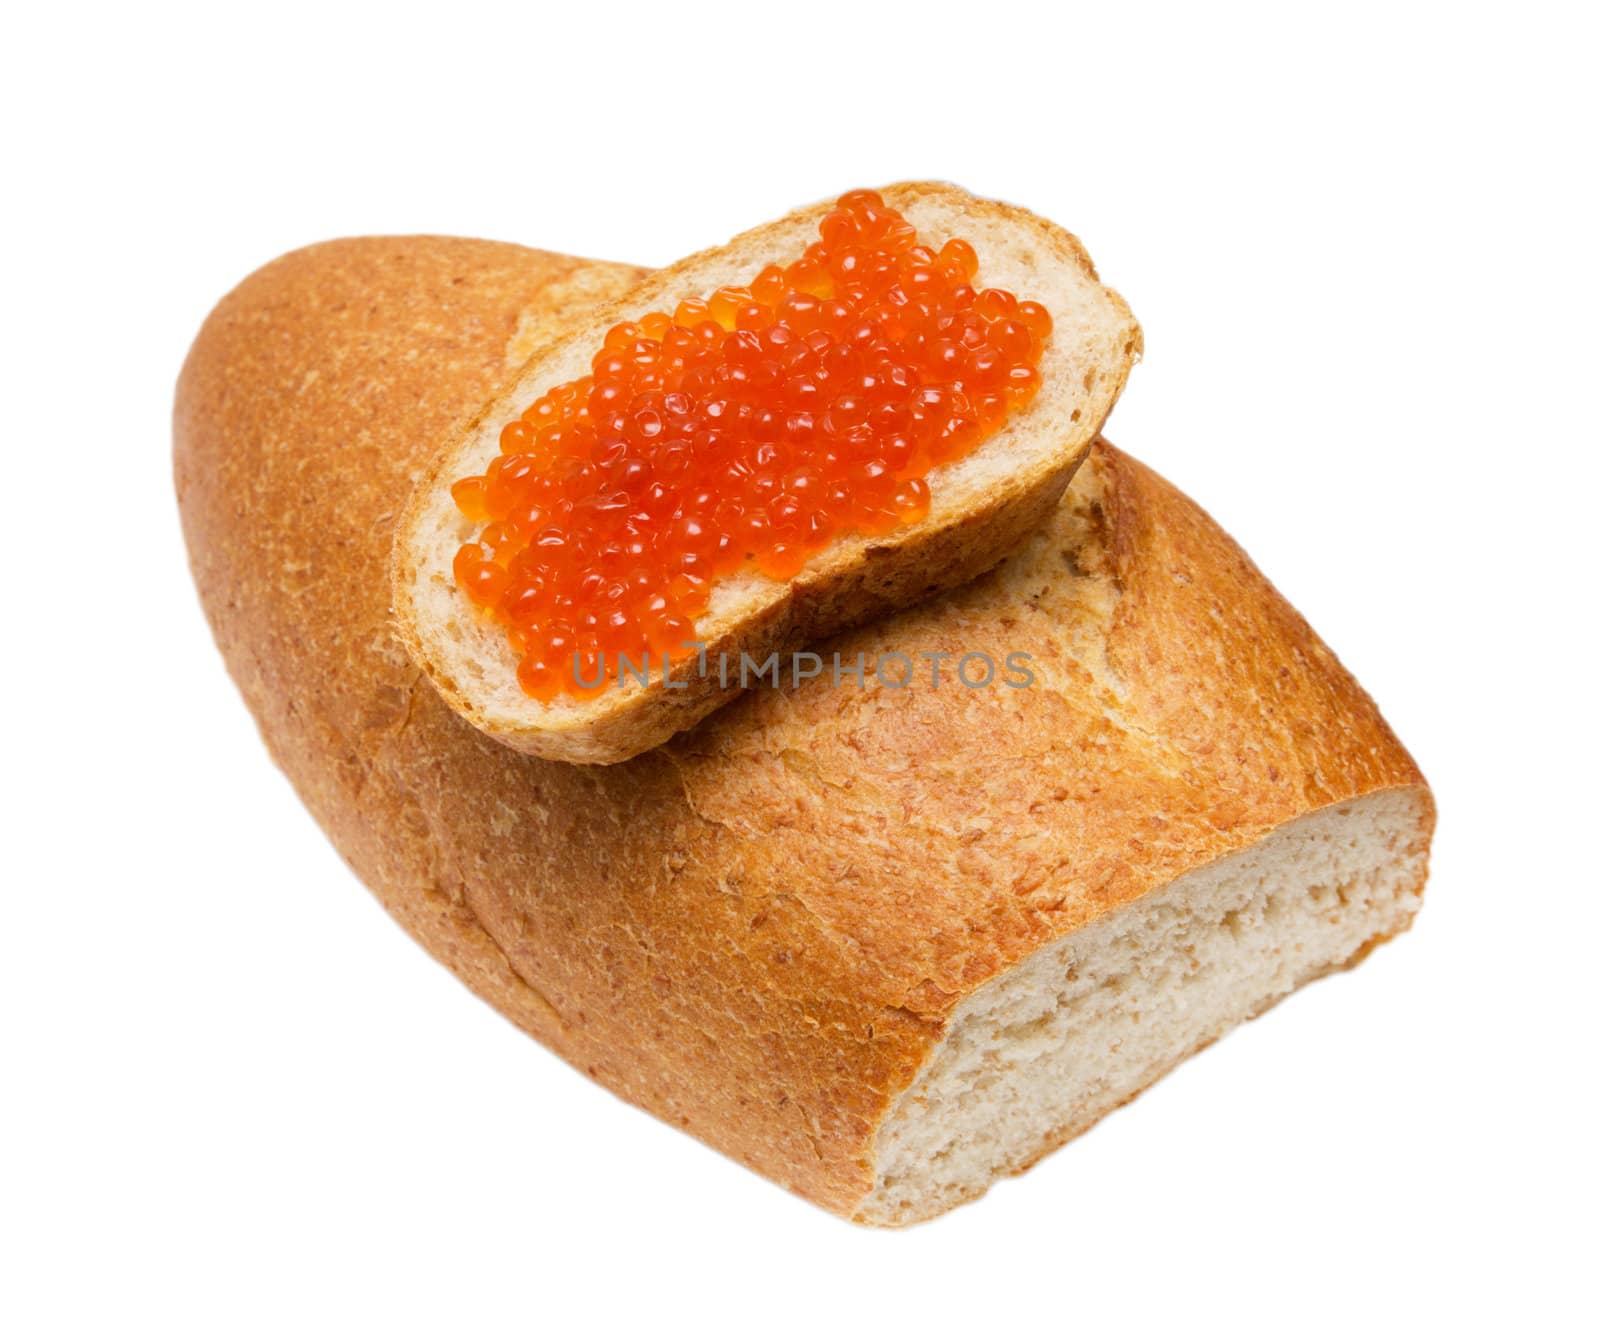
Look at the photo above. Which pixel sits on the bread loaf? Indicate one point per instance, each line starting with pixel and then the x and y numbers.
pixel 982 504
pixel 882 944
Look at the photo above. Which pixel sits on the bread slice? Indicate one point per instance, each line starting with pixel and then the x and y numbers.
pixel 982 504
pixel 882 946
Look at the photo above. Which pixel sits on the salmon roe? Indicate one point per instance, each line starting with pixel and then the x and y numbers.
pixel 749 429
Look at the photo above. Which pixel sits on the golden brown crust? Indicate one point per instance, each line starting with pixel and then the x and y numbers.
pixel 758 930
pixel 356 351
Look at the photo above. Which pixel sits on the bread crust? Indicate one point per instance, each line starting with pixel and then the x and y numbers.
pixel 757 931
pixel 853 580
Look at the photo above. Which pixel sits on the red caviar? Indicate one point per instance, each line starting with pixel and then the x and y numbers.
pixel 750 428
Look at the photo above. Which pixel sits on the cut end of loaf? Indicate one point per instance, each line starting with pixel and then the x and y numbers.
pixel 1040 1054
pixel 981 505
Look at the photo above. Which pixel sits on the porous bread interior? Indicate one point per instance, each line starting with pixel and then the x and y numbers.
pixel 1039 1054
pixel 1082 368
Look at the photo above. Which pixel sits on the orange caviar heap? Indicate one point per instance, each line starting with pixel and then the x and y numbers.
pixel 752 428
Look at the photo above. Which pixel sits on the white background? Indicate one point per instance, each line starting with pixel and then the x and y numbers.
pixel 1362 248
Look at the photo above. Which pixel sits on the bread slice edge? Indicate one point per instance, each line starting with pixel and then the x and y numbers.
pixel 1039 1054
pixel 982 505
